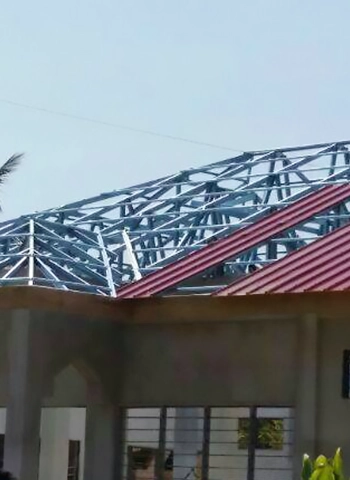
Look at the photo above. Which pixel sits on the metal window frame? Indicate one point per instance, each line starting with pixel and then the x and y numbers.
pixel 207 417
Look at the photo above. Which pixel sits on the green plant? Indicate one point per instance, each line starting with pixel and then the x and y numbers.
pixel 323 468
pixel 269 435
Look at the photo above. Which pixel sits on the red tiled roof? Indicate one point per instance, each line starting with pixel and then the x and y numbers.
pixel 323 265
pixel 238 242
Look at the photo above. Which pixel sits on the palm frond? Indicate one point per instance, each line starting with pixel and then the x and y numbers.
pixel 10 166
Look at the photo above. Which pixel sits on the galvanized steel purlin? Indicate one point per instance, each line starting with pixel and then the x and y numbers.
pixel 323 265
pixel 238 242
pixel 80 246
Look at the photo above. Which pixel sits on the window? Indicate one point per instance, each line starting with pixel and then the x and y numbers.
pixel 346 374
pixel 73 460
pixel 222 443
pixel 269 433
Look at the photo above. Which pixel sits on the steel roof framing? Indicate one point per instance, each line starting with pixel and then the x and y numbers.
pixel 100 243
pixel 239 242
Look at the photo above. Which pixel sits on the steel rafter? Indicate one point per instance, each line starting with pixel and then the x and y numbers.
pixel 97 244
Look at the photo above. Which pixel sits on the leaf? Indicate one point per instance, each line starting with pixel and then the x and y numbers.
pixel 324 472
pixel 327 473
pixel 338 465
pixel 10 166
pixel 320 462
pixel 307 468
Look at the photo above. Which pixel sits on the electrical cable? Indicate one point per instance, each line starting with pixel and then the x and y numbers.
pixel 117 125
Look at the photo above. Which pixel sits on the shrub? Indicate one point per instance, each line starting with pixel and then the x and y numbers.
pixel 323 468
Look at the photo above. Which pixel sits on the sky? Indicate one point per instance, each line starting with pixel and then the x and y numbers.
pixel 247 75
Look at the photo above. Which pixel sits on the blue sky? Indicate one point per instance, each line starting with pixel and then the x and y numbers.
pixel 248 74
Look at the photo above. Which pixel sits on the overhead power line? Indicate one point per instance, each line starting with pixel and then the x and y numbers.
pixel 118 125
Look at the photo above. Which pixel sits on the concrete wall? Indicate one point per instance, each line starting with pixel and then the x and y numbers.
pixel 68 389
pixel 333 412
pixel 241 363
pixel 268 363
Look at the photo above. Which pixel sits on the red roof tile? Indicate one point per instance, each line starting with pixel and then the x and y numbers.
pixel 238 242
pixel 323 265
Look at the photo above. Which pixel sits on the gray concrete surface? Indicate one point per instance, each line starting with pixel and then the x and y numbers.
pixel 290 360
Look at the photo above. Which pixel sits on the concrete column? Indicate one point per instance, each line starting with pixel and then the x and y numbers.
pixel 306 410
pixel 54 444
pixel 103 430
pixel 24 399
pixel 188 441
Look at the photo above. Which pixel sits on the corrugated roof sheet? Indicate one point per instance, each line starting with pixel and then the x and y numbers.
pixel 237 243
pixel 322 266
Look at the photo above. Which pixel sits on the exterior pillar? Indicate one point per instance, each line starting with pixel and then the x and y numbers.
pixel 103 438
pixel 188 441
pixel 24 399
pixel 54 444
pixel 306 411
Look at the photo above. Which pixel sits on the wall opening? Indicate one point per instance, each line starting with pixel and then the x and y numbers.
pixel 62 437
pixel 208 443
pixel 73 459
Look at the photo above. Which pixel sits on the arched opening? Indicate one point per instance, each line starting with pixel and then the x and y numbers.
pixel 62 429
pixel 62 432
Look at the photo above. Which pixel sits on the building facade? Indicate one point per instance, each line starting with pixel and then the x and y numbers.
pixel 182 387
